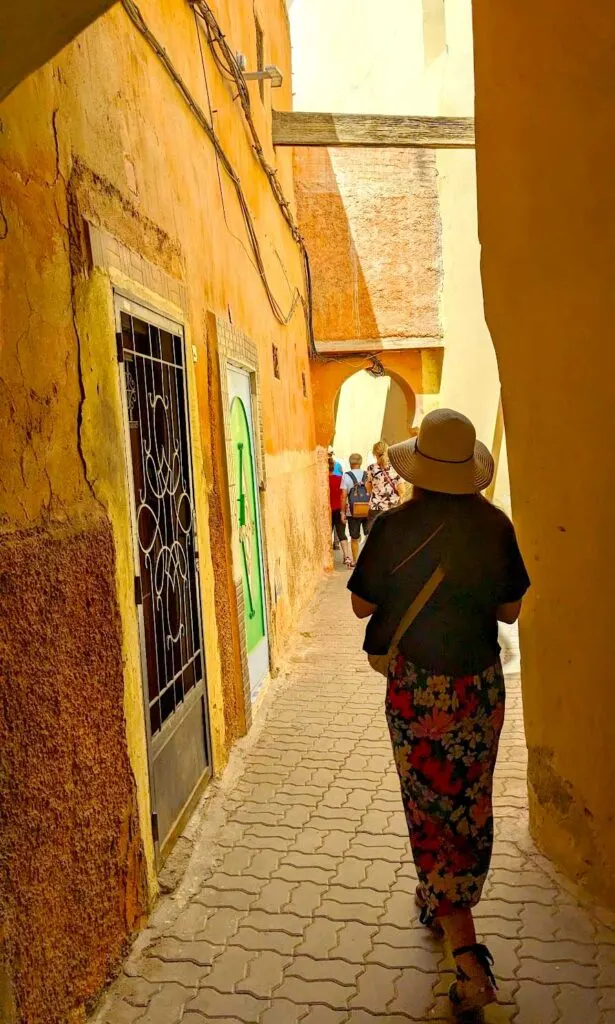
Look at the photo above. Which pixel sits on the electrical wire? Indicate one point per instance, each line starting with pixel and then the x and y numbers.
pixel 284 318
pixel 228 66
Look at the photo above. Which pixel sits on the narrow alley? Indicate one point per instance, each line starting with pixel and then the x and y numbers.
pixel 297 903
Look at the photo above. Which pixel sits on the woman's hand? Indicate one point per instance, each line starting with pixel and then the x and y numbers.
pixel 509 612
pixel 362 609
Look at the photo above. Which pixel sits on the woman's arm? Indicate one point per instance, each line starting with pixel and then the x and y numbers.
pixel 362 609
pixel 508 612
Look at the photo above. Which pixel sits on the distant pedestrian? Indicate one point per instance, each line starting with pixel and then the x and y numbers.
pixel 338 515
pixel 355 502
pixel 384 484
pixel 337 469
pixel 435 576
pixel 337 466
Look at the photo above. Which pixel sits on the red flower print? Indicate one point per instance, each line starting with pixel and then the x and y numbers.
pixel 496 718
pixel 401 701
pixel 440 775
pixel 421 753
pixel 435 725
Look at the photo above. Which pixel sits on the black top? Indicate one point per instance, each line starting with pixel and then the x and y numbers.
pixel 456 633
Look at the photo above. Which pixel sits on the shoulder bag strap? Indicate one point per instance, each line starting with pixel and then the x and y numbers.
pixel 418 604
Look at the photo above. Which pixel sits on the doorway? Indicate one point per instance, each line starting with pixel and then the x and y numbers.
pixel 247 526
pixel 151 351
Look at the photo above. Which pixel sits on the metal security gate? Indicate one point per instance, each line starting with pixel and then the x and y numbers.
pixel 151 352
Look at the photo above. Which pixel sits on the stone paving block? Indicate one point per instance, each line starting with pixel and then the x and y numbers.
pixel 521 895
pixel 331 993
pixel 282 1011
pixel 340 824
pixel 351 873
pixel 382 876
pixel 400 909
pixel 185 950
pixel 354 941
pixel 577 1005
pixel 308 840
pixel 574 923
pixel 275 895
pixel 607 1000
pixel 335 843
pixel 325 969
pixel 190 921
pixel 229 1005
pixel 536 1003
pixel 344 894
pixel 234 899
pixel 306 898
pixel 167 1006
pixel 405 956
pixel 376 989
pixel 264 974
pixel 136 991
pixel 557 952
pixel 244 882
pixel 118 1011
pixel 319 938
pixel 361 912
pixel 258 940
pixel 323 1015
pixel 220 926
pixel 168 972
pixel 558 972
pixel 414 993
pixel 489 926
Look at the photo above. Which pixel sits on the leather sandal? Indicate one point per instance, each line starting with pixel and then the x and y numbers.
pixel 426 916
pixel 465 993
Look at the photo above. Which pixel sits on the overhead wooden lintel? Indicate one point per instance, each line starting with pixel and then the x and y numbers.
pixel 299 128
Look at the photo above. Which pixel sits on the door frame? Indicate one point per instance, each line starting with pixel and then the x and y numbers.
pixel 233 365
pixel 124 301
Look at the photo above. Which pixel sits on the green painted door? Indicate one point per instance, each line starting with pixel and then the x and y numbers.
pixel 248 528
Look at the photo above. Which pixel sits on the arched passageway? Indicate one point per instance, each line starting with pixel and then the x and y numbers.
pixel 414 372
pixel 368 409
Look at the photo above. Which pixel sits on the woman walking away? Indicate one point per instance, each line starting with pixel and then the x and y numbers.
pixel 435 575
pixel 338 517
pixel 384 484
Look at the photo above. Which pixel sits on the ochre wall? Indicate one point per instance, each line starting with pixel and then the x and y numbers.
pixel 102 135
pixel 545 148
pixel 417 371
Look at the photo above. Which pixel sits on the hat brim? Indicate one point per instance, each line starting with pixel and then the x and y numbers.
pixel 470 477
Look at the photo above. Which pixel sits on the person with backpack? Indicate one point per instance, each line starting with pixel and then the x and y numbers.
pixel 384 484
pixel 355 502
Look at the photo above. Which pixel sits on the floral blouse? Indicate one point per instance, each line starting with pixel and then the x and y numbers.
pixel 384 482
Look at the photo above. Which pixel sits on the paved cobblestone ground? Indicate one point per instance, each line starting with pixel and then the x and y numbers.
pixel 298 901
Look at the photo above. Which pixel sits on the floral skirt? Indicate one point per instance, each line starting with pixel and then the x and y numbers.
pixel 445 732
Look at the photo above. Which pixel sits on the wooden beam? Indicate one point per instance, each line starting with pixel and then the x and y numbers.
pixel 297 128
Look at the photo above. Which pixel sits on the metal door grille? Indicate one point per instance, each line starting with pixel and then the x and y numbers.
pixel 155 382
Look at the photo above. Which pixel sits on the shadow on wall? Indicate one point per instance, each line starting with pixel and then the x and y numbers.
pixel 343 303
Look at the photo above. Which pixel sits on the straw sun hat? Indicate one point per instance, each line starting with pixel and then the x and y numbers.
pixel 445 457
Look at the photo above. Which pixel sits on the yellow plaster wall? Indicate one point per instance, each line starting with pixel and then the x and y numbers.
pixel 101 136
pixel 545 145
